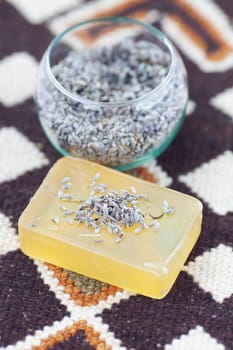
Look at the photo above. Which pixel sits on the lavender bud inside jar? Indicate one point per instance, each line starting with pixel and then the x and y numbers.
pixel 117 102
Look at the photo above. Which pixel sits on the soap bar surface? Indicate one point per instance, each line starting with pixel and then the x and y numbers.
pixel 147 262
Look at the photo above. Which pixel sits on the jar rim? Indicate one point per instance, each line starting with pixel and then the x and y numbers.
pixel 77 98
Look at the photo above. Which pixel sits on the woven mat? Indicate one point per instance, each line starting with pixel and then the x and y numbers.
pixel 43 307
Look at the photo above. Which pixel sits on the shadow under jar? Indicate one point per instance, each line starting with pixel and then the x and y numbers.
pixel 118 100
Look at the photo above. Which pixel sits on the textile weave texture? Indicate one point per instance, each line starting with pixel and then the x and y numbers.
pixel 43 307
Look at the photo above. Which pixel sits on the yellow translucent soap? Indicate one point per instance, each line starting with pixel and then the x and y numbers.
pixel 146 262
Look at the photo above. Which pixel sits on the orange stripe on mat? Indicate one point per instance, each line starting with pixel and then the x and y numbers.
pixel 75 293
pixel 61 336
pixel 215 34
pixel 89 38
pixel 143 173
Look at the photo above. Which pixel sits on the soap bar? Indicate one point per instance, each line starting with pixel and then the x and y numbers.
pixel 144 257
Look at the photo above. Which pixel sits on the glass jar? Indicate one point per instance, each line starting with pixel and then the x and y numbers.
pixel 118 104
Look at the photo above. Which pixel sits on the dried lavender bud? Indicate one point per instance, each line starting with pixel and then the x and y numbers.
pixel 170 211
pixel 138 229
pixel 156 227
pixel 59 194
pixel 56 220
pixel 96 177
pixel 120 237
pixel 68 212
pixel 70 220
pixel 67 196
pixel 166 209
pixel 63 208
pixel 65 180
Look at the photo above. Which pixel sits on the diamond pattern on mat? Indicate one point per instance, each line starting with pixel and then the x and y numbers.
pixel 38 11
pixel 212 181
pixel 8 237
pixel 17 73
pixel 80 312
pixel 78 335
pixel 18 154
pixel 213 272
pixel 223 102
pixel 196 339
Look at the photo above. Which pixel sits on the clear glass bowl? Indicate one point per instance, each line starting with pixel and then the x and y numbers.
pixel 121 130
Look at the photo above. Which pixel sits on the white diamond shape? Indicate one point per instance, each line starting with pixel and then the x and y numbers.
pixel 196 339
pixel 223 102
pixel 213 182
pixel 157 171
pixel 191 107
pixel 17 81
pixel 18 155
pixel 37 11
pixel 213 272
pixel 8 236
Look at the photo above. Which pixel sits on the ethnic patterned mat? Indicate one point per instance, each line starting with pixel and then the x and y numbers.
pixel 44 307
